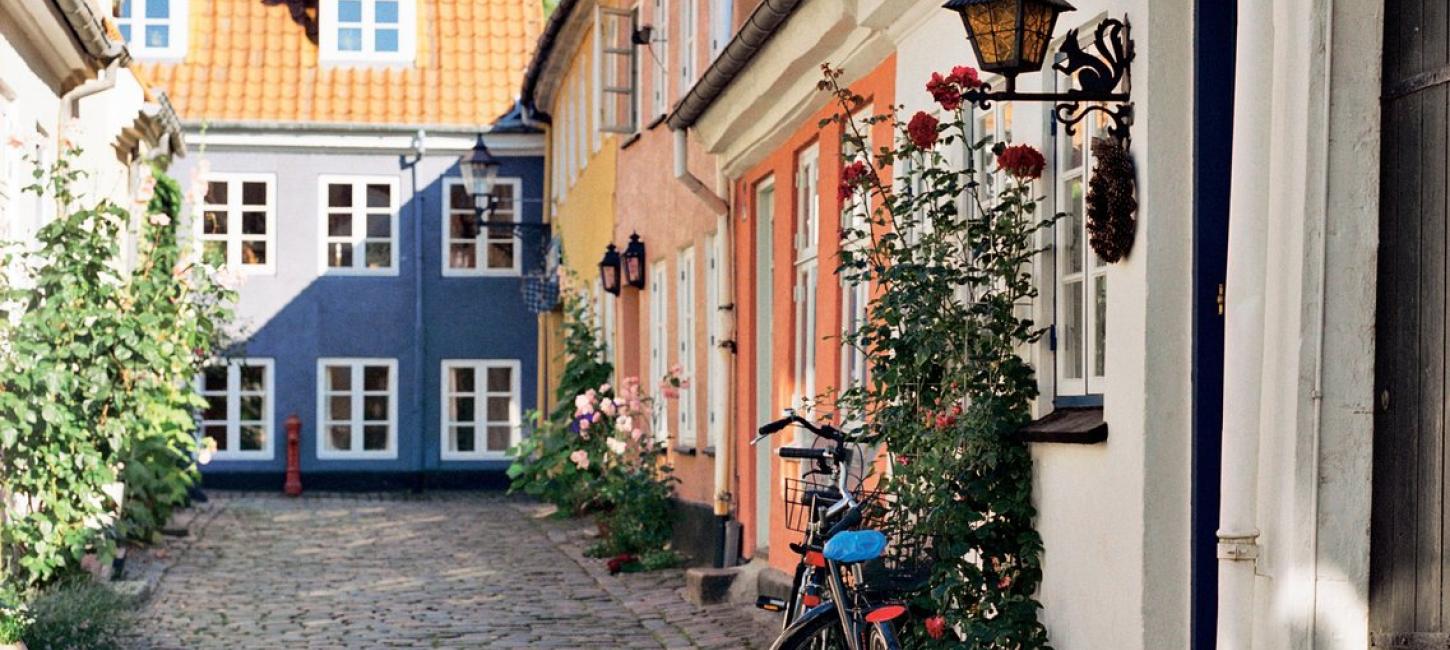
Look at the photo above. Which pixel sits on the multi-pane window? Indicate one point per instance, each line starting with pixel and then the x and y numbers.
pixel 689 28
pixel 153 28
pixel 368 30
pixel 617 83
pixel 685 341
pixel 359 225
pixel 714 364
pixel 993 125
pixel 807 238
pixel 238 224
pixel 237 417
pixel 659 80
pixel 658 340
pixel 473 250
pixel 1082 282
pixel 481 414
pixel 357 408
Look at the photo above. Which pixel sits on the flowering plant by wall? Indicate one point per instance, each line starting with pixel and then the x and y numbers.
pixel 947 389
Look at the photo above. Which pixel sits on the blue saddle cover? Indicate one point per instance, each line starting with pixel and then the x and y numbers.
pixel 855 546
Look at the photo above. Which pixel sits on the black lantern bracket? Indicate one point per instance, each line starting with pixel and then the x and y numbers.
pixel 1102 79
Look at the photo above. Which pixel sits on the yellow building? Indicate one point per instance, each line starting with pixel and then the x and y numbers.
pixel 564 92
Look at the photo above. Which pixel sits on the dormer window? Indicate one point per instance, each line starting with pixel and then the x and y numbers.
pixel 368 31
pixel 153 28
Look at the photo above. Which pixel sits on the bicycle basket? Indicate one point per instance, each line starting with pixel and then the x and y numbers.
pixel 802 496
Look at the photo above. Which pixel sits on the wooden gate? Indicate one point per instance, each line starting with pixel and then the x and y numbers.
pixel 1408 576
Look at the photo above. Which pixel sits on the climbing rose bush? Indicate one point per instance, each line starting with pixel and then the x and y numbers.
pixel 946 392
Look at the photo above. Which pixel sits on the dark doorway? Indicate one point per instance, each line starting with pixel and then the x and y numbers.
pixel 1408 524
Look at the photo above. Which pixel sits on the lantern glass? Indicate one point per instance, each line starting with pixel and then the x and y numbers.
pixel 609 270
pixel 1009 36
pixel 480 170
pixel 634 262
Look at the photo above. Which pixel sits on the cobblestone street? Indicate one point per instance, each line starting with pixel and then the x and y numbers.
pixel 439 571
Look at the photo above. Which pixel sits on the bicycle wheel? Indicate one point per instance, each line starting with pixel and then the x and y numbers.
pixel 818 629
pixel 882 637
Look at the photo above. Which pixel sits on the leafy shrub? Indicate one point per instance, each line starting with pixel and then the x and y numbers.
pixel 78 614
pixel 15 615
pixel 95 380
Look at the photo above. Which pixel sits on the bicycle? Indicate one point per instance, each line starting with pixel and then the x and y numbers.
pixel 832 603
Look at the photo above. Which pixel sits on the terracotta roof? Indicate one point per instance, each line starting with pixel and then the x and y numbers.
pixel 249 61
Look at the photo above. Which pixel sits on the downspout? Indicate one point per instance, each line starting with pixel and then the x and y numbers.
pixel 1238 534
pixel 71 102
pixel 719 207
pixel 725 324
pixel 419 345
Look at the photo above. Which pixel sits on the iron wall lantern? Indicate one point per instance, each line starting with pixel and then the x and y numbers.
pixel 480 171
pixel 634 262
pixel 1011 37
pixel 609 270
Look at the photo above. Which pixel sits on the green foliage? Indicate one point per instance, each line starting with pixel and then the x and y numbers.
pixel 79 615
pixel 15 616
pixel 541 464
pixel 95 382
pixel 640 521
pixel 947 387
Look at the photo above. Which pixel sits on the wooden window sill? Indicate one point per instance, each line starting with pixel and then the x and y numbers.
pixel 1073 425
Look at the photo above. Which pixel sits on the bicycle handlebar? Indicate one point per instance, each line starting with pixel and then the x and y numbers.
pixel 825 430
pixel 809 453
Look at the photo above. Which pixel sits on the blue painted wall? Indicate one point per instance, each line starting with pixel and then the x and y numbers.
pixel 296 316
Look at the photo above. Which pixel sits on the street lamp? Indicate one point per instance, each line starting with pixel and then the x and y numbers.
pixel 634 262
pixel 480 170
pixel 1009 36
pixel 609 270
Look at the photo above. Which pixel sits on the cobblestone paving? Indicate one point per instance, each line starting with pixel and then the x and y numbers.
pixel 439 571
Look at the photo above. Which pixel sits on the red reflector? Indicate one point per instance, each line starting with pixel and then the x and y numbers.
pixel 811 601
pixel 885 613
pixel 814 558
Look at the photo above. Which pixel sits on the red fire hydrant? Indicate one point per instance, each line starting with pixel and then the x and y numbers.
pixel 293 485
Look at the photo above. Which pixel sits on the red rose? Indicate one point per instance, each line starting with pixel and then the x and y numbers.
pixel 936 627
pixel 851 176
pixel 965 76
pixel 922 130
pixel 944 92
pixel 1022 161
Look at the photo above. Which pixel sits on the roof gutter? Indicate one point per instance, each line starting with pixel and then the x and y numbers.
pixel 90 30
pixel 762 24
pixel 542 51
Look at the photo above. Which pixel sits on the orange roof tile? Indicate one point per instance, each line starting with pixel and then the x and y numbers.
pixel 248 61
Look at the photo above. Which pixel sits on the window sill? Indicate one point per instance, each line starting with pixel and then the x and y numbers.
pixel 633 138
pixel 685 451
pixel 709 451
pixel 657 121
pixel 1071 425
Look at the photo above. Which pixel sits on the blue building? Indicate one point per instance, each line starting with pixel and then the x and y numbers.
pixel 372 304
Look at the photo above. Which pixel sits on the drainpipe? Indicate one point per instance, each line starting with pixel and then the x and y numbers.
pixel 71 102
pixel 720 207
pixel 725 350
pixel 1238 534
pixel 420 348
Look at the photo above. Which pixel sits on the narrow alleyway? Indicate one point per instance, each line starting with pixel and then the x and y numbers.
pixel 439 571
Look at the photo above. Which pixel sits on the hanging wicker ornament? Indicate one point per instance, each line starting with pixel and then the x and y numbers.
pixel 1111 205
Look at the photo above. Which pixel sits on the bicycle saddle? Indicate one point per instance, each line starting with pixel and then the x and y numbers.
pixel 855 546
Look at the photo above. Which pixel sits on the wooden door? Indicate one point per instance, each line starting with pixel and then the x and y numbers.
pixel 1408 573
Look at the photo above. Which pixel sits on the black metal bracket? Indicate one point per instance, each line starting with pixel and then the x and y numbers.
pixel 1102 79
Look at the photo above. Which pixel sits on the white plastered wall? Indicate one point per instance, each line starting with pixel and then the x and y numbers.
pixel 1115 516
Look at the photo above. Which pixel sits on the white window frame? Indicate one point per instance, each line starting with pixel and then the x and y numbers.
pixel 660 53
pixel 233 422
pixel 177 24
pixel 689 42
pixel 357 393
pixel 807 271
pixel 485 237
pixel 722 26
pixel 994 124
pixel 233 207
pixel 611 94
pixel 328 25
pixel 658 345
pixel 480 395
pixel 685 306
pixel 359 237
pixel 1091 276
pixel 715 384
